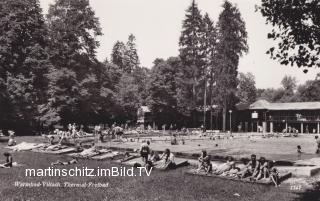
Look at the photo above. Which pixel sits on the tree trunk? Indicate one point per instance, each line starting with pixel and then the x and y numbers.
pixel 194 113
pixel 224 115
pixel 205 104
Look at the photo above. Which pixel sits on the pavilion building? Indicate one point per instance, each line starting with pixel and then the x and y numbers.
pixel 265 116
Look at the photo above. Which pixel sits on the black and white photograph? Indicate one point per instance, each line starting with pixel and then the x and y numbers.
pixel 159 100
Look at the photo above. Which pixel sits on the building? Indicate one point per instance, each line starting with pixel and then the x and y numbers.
pixel 144 116
pixel 276 117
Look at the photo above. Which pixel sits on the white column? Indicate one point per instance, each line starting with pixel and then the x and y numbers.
pixel 318 127
pixel 286 126
pixel 264 127
pixel 301 127
pixel 271 127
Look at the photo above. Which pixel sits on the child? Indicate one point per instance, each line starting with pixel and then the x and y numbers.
pixel 299 149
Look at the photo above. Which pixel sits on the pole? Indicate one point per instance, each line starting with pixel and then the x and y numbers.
pixel 230 122
pixel 230 127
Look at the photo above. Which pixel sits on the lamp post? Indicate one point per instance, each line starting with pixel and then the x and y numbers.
pixel 230 112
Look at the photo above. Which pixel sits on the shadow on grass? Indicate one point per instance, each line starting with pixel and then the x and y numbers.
pixel 310 194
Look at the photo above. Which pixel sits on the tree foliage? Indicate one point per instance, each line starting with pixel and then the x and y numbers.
pixel 296 30
pixel 24 60
pixel 73 81
pixel 246 89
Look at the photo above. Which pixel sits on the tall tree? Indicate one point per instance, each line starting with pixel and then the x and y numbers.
pixel 209 46
pixel 192 53
pixel 118 54
pixel 24 60
pixel 296 30
pixel 246 88
pixel 73 30
pixel 232 44
pixel 131 58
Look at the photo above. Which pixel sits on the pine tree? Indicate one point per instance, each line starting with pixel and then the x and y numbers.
pixel 131 58
pixel 118 54
pixel 232 44
pixel 209 46
pixel 192 53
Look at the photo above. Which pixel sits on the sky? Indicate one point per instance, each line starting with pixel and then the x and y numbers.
pixel 157 25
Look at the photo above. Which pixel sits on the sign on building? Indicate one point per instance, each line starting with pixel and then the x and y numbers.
pixel 254 115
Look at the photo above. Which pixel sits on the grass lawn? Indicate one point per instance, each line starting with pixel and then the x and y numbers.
pixel 171 185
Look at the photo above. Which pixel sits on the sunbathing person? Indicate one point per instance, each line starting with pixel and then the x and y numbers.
pixel 251 168
pixel 58 162
pixel 273 173
pixel 204 163
pixel 154 156
pixel 11 141
pixel 8 163
pixel 263 167
pixel 233 172
pixel 224 167
pixel 167 160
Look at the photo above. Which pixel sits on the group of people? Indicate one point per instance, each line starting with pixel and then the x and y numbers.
pixel 149 157
pixel 73 131
pixel 254 169
pixel 115 131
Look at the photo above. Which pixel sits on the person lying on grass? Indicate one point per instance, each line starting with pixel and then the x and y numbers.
pixel 224 167
pixel 58 162
pixel 251 168
pixel 204 162
pixel 167 160
pixel 273 173
pixel 233 172
pixel 263 168
pixel 8 163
